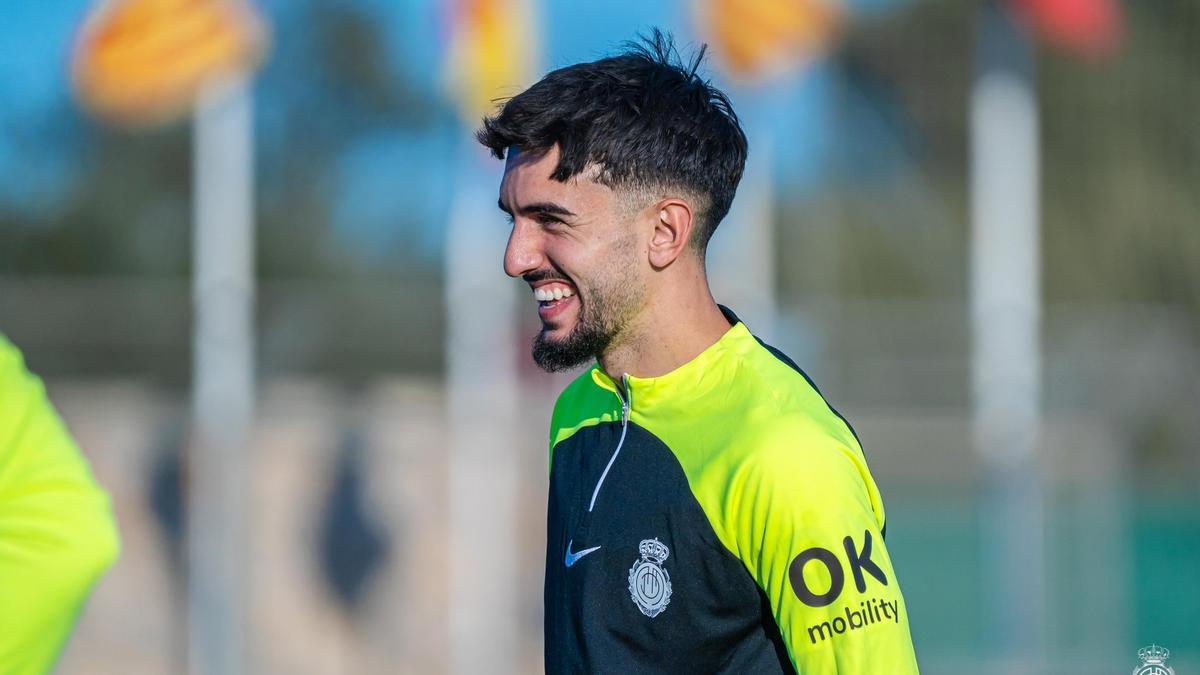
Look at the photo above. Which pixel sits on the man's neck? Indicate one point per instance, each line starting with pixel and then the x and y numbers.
pixel 667 334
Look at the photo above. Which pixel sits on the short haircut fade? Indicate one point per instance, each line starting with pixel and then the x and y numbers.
pixel 643 118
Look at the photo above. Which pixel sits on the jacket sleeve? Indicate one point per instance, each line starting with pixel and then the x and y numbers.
pixel 807 522
pixel 57 532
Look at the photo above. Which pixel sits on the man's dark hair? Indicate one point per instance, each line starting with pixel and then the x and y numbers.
pixel 643 118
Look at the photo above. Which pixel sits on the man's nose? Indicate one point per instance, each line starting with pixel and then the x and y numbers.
pixel 523 253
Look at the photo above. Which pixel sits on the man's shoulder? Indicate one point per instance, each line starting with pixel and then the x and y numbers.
pixel 794 440
pixel 766 418
pixel 787 405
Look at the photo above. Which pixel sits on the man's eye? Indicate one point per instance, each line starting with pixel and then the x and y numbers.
pixel 508 218
pixel 547 219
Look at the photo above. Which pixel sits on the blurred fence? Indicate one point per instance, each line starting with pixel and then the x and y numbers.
pixel 360 466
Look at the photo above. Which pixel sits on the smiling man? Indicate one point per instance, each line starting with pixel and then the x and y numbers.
pixel 708 510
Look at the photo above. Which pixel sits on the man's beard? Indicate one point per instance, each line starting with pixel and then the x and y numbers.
pixel 601 319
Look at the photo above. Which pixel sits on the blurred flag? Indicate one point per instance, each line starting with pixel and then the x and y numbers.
pixel 759 38
pixel 1089 28
pixel 492 52
pixel 142 62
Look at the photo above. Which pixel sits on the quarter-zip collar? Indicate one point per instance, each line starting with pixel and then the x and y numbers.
pixel 692 379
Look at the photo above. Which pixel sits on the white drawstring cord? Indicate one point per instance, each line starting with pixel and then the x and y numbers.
pixel 626 404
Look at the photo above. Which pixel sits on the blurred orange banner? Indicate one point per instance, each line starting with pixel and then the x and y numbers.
pixel 492 53
pixel 759 38
pixel 142 62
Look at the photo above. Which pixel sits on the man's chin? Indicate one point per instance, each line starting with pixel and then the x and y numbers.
pixel 555 354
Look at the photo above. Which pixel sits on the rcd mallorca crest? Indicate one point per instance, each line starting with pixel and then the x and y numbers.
pixel 1154 661
pixel 649 583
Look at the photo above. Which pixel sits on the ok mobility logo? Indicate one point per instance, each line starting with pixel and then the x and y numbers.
pixel 870 611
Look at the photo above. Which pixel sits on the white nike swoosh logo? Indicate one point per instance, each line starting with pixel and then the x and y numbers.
pixel 572 558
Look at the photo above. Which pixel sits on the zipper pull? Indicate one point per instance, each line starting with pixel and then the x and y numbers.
pixel 626 400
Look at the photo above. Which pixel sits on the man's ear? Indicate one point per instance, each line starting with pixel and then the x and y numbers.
pixel 672 230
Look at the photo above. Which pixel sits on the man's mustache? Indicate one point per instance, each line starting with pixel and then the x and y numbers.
pixel 545 275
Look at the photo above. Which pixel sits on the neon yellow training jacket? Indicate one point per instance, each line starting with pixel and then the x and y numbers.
pixel 719 518
pixel 57 532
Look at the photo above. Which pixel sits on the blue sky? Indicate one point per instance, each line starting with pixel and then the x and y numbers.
pixel 36 37
pixel 35 40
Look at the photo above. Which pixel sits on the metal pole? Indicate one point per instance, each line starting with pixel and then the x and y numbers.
pixel 482 410
pixel 1005 316
pixel 223 379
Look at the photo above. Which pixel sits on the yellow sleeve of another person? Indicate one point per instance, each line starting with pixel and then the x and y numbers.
pixel 57 531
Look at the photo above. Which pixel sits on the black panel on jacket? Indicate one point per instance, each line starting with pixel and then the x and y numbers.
pixel 716 619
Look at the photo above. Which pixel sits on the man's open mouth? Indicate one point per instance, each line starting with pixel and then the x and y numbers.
pixel 552 293
pixel 552 298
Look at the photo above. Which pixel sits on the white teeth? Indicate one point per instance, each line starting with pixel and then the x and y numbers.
pixel 546 295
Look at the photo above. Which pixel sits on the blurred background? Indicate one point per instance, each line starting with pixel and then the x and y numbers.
pixel 254 252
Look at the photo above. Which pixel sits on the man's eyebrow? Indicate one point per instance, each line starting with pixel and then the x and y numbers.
pixel 536 208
